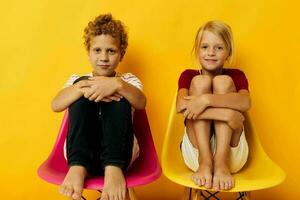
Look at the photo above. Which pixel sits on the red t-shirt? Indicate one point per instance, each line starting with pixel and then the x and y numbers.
pixel 238 77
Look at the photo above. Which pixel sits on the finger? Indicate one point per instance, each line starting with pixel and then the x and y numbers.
pixel 114 98
pixel 187 97
pixel 117 95
pixel 104 99
pixel 93 97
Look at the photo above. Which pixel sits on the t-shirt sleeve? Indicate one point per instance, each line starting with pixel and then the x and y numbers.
pixel 186 78
pixel 71 80
pixel 240 80
pixel 133 80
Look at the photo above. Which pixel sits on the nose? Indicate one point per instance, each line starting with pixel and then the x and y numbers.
pixel 211 52
pixel 103 56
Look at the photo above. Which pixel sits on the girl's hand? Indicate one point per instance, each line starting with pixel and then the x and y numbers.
pixel 195 106
pixel 235 120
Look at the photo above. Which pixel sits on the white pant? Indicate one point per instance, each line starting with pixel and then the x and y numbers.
pixel 238 154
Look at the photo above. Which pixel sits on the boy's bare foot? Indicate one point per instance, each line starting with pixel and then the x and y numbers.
pixel 222 179
pixel 203 176
pixel 73 184
pixel 114 184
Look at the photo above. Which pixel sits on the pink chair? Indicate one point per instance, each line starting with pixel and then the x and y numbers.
pixel 144 170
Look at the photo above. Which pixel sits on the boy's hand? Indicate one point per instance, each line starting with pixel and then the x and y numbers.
pixel 195 106
pixel 102 88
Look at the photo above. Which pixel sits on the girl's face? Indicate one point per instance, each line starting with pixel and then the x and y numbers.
pixel 213 52
pixel 104 55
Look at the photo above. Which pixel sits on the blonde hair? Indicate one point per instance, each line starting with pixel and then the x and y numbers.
pixel 222 30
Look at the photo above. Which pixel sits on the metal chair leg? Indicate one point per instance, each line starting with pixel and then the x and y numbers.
pixel 244 196
pixel 207 195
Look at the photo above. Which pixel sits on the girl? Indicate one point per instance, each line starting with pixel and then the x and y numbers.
pixel 100 138
pixel 212 100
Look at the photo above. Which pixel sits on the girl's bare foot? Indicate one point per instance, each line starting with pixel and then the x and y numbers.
pixel 114 184
pixel 73 183
pixel 222 179
pixel 203 176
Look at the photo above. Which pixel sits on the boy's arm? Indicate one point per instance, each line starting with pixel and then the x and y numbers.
pixel 67 96
pixel 102 87
pixel 236 100
pixel 134 95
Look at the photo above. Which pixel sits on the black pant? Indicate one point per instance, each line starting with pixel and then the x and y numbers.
pixel 99 134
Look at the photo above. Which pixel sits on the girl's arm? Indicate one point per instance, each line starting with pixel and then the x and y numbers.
pixel 236 100
pixel 67 96
pixel 233 118
pixel 180 101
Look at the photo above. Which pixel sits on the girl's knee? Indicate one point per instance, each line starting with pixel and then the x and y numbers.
pixel 201 84
pixel 223 84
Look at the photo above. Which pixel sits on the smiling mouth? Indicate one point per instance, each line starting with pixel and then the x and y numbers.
pixel 211 60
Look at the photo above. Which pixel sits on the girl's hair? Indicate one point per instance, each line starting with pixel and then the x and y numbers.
pixel 222 30
pixel 106 25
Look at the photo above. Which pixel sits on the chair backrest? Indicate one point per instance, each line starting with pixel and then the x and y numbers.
pixel 259 172
pixel 144 170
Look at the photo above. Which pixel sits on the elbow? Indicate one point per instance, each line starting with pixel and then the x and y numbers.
pixel 55 107
pixel 142 104
pixel 247 105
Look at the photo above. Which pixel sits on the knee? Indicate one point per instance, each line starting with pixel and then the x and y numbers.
pixel 200 84
pixel 118 106
pixel 223 84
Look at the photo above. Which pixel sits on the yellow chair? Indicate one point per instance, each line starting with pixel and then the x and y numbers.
pixel 260 171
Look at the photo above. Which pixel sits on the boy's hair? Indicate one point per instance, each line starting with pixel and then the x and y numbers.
pixel 222 30
pixel 106 25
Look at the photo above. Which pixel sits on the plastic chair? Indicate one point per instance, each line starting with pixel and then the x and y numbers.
pixel 260 171
pixel 144 170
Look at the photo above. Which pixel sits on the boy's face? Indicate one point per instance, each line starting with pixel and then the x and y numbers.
pixel 104 55
pixel 213 52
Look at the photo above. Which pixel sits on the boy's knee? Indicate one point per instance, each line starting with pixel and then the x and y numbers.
pixel 200 84
pixel 118 106
pixel 222 84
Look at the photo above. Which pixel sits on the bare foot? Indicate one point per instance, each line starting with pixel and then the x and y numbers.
pixel 114 184
pixel 222 179
pixel 73 184
pixel 203 176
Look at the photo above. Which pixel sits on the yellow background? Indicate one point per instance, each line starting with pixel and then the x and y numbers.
pixel 41 46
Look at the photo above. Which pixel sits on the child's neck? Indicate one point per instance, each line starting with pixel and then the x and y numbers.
pixel 111 75
pixel 211 73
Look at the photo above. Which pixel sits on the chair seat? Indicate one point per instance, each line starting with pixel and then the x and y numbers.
pixel 144 170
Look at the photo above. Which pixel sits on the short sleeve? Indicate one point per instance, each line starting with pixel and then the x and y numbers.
pixel 132 79
pixel 71 80
pixel 240 80
pixel 186 78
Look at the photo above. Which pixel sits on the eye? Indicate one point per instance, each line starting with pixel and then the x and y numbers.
pixel 111 51
pixel 220 48
pixel 204 47
pixel 97 50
